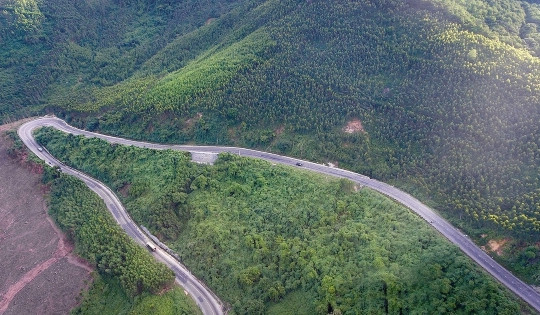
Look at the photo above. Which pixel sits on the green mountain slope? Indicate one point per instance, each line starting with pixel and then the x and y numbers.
pixel 49 47
pixel 446 93
pixel 260 234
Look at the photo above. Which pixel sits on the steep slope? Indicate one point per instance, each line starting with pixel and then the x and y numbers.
pixel 446 92
pixel 37 261
pixel 49 47
pixel 257 232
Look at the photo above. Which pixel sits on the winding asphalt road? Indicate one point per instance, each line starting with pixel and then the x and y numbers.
pixel 208 301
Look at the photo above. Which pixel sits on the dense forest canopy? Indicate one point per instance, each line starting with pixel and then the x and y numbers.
pixel 445 95
pixel 268 237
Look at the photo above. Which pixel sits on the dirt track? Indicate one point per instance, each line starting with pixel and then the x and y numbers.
pixel 38 272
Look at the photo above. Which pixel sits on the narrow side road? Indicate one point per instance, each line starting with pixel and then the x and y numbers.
pixel 521 289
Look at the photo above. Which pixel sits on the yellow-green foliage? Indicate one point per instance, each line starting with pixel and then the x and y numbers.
pixel 257 232
pixel 446 100
pixel 106 296
pixel 447 92
pixel 28 16
pixel 174 302
pixel 208 72
pixel 128 95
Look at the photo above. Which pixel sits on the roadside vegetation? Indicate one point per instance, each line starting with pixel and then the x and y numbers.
pixel 78 209
pixel 106 296
pixel 267 237
pixel 127 280
pixel 447 92
pixel 81 214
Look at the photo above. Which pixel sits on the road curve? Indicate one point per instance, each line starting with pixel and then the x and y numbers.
pixel 207 301
pixel 521 289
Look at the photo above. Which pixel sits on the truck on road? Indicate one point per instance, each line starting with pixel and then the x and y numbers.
pixel 151 246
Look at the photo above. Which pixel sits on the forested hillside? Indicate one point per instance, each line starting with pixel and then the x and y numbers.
pixel 269 238
pixel 51 47
pixel 128 280
pixel 445 95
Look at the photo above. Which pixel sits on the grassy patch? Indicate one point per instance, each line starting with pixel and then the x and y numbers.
pixel 294 303
pixel 106 296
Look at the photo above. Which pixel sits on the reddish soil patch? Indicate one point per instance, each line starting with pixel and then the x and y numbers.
pixel 280 130
pixel 497 246
pixel 354 126
pixel 40 275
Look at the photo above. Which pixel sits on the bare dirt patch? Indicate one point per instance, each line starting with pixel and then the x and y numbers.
pixel 190 122
pixel 354 126
pixel 14 125
pixel 124 190
pixel 497 246
pixel 357 187
pixel 32 247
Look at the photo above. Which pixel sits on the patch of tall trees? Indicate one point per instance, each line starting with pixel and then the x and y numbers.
pixel 83 216
pixel 257 232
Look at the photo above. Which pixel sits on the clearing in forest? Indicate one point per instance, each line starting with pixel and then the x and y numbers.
pixel 40 274
pixel 354 126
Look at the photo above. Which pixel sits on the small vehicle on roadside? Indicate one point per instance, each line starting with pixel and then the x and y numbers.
pixel 299 164
pixel 151 246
